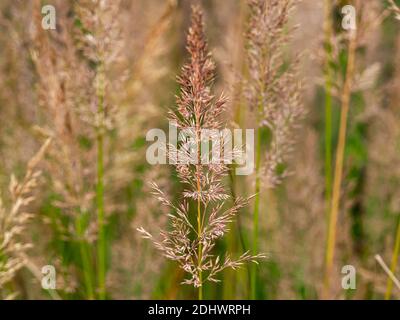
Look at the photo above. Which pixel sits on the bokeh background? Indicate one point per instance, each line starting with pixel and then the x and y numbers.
pixel 48 89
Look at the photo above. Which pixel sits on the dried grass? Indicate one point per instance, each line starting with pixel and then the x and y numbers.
pixel 15 219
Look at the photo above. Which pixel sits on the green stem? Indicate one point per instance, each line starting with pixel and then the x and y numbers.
pixel 393 265
pixel 328 102
pixel 338 173
pixel 256 216
pixel 85 256
pixel 239 117
pixel 101 247
pixel 238 218
pixel 100 219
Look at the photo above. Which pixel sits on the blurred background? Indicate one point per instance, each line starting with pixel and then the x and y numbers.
pixel 49 89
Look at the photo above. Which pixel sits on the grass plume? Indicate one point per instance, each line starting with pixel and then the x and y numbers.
pixel 14 221
pixel 273 96
pixel 197 109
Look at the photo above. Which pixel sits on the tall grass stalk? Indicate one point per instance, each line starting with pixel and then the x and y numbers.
pixel 256 214
pixel 272 92
pixel 328 101
pixel 101 246
pixel 237 234
pixel 393 264
pixel 338 174
pixel 199 218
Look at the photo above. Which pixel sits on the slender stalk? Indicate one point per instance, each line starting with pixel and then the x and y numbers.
pixel 328 101
pixel 239 221
pixel 100 218
pixel 385 268
pixel 199 220
pixel 101 247
pixel 256 214
pixel 200 248
pixel 230 285
pixel 333 217
pixel 393 264
pixel 85 256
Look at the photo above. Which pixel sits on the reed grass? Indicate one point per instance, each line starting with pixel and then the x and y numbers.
pixel 338 172
pixel 191 246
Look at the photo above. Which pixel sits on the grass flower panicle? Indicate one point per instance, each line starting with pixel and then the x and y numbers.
pixel 188 243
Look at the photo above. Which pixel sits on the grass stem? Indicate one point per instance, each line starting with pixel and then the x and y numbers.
pixel 200 249
pixel 256 214
pixel 85 256
pixel 328 101
pixel 338 175
pixel 199 218
pixel 101 247
pixel 393 264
